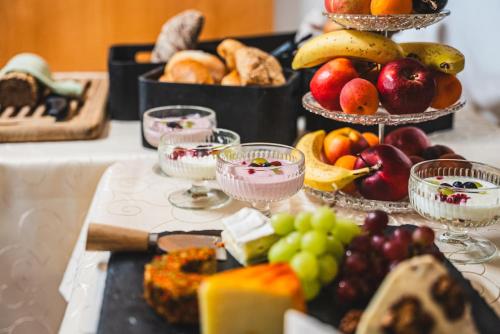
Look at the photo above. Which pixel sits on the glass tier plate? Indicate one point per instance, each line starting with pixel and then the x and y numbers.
pixel 353 202
pixel 381 116
pixel 387 22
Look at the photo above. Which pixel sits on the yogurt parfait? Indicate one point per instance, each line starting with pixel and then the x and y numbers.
pixel 461 195
pixel 180 123
pixel 260 173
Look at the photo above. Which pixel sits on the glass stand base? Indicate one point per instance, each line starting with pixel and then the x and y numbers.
pixel 463 249
pixel 209 199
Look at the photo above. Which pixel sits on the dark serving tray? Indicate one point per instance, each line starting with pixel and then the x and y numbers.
pixel 124 310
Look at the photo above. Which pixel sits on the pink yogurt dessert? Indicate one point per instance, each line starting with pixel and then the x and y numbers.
pixel 191 128
pixel 260 180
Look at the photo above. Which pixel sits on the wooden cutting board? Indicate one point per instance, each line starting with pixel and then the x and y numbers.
pixel 85 120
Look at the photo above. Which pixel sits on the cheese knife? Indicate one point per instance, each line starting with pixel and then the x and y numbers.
pixel 119 239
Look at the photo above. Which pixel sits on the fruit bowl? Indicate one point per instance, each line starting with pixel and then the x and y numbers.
pixel 354 202
pixel 387 22
pixel 381 116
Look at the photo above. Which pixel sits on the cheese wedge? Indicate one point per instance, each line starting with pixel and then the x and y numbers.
pixel 413 282
pixel 249 300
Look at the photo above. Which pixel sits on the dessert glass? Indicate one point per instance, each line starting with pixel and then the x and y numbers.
pixel 278 175
pixel 179 122
pixel 195 158
pixel 460 195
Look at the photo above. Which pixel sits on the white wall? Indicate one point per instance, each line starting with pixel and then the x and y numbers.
pixel 289 13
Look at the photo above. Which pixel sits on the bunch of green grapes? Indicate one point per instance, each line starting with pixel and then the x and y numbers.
pixel 313 244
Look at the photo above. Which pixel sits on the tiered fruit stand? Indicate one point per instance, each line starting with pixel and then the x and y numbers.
pixel 385 24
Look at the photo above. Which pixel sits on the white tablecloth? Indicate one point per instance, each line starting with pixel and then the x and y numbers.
pixel 134 195
pixel 45 193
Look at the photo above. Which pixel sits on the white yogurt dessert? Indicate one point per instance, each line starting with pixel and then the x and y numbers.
pixel 190 161
pixel 261 180
pixel 468 200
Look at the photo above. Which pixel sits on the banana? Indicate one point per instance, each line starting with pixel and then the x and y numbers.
pixel 319 175
pixel 440 57
pixel 360 45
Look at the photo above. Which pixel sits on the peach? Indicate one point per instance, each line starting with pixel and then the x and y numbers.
pixel 329 80
pixel 388 7
pixel 371 138
pixel 448 90
pixel 342 142
pixel 359 96
pixel 347 162
pixel 348 6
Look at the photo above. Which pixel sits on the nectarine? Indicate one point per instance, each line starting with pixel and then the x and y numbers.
pixel 347 162
pixel 360 97
pixel 387 7
pixel 342 142
pixel 348 6
pixel 448 90
pixel 371 138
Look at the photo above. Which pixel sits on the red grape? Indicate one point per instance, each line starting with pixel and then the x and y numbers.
pixel 378 268
pixel 377 242
pixel 346 291
pixel 402 235
pixel 395 250
pixel 361 243
pixel 423 236
pixel 355 263
pixel 376 221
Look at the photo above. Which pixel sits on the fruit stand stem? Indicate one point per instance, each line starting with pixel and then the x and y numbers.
pixel 381 133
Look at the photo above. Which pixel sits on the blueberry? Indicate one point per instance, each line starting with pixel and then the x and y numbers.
pixel 174 125
pixel 254 165
pixel 446 185
pixel 470 185
pixel 458 184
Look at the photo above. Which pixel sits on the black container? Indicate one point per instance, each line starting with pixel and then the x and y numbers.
pixel 316 122
pixel 124 71
pixel 264 114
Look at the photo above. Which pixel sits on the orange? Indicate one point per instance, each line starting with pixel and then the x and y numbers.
pixel 347 162
pixel 387 7
pixel 448 90
pixel 371 138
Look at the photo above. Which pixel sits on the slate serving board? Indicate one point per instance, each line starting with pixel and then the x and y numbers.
pixel 124 310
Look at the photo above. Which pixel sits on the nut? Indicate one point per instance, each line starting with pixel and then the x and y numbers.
pixel 407 316
pixel 350 321
pixel 449 295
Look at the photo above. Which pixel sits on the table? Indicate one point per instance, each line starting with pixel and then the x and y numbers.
pixel 46 190
pixel 134 195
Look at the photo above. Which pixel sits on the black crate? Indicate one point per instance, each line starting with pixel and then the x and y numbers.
pixel 124 71
pixel 316 122
pixel 257 114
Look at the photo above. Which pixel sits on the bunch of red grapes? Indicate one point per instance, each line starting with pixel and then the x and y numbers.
pixel 371 255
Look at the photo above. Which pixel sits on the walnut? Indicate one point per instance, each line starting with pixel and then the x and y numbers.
pixel 407 317
pixel 350 321
pixel 449 295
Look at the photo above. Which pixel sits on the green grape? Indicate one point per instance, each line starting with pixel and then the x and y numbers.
pixel 305 265
pixel 334 247
pixel 328 269
pixel 311 289
pixel 323 219
pixel 294 239
pixel 303 222
pixel 282 223
pixel 281 252
pixel 345 230
pixel 314 242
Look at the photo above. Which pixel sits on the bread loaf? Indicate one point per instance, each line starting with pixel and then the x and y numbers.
pixel 232 79
pixel 188 71
pixel 257 67
pixel 226 49
pixel 215 66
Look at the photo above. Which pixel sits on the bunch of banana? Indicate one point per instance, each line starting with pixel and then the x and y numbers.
pixel 440 57
pixel 319 175
pixel 359 45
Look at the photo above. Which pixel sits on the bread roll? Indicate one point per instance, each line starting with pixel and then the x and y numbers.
pixel 188 71
pixel 227 48
pixel 257 67
pixel 215 66
pixel 232 79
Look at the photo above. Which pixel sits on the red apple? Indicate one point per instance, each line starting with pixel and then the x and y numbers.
pixel 409 139
pixel 328 81
pixel 406 86
pixel 390 181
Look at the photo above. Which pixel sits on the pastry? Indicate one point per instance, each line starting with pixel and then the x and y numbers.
pixel 18 90
pixel 188 71
pixel 179 33
pixel 214 65
pixel 226 49
pixel 232 79
pixel 248 235
pixel 171 283
pixel 257 67
pixel 249 300
pixel 418 296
